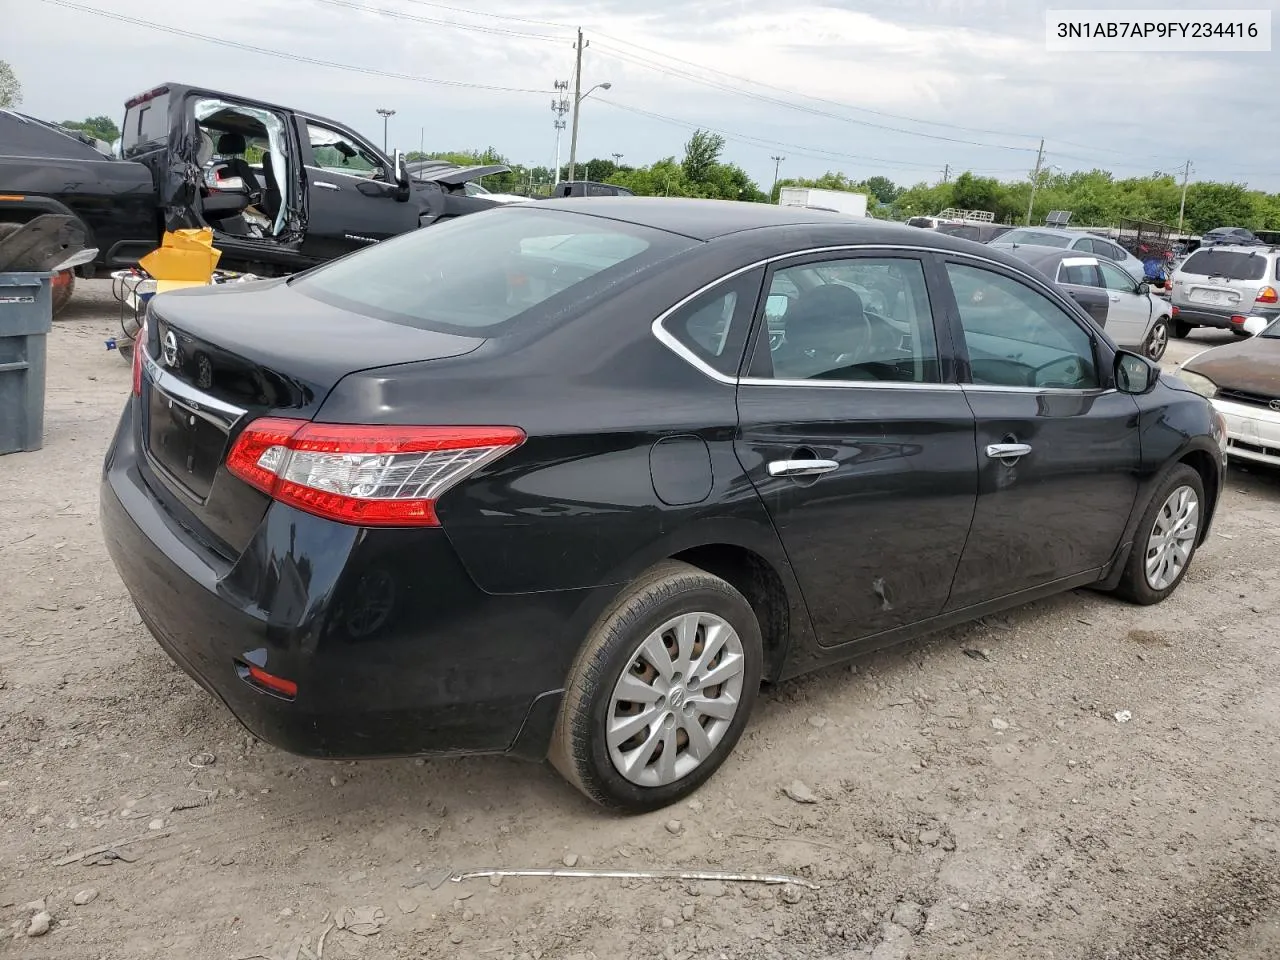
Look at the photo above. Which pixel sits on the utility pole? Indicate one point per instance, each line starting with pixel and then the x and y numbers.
pixel 1182 206
pixel 1035 179
pixel 577 107
pixel 946 173
pixel 617 159
pixel 422 139
pixel 385 114
pixel 777 165
pixel 559 107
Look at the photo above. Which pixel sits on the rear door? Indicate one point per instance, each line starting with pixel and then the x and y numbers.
pixel 859 446
pixel 351 193
pixel 1130 314
pixel 1057 449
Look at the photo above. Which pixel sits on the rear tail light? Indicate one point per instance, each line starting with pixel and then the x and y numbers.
pixel 1175 311
pixel 380 476
pixel 259 678
pixel 1237 320
pixel 1268 295
pixel 139 345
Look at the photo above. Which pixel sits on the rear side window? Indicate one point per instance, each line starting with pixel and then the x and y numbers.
pixel 1227 264
pixel 964 231
pixel 1080 274
pixel 478 273
pixel 714 325
pixel 146 123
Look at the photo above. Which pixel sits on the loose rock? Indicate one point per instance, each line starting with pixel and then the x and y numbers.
pixel 84 897
pixel 687 912
pixel 799 791
pixel 667 923
pixel 791 894
pixel 930 838
pixel 156 824
pixel 817 722
pixel 39 924
pixel 674 826
pixel 910 916
pixel 570 859
pixel 997 723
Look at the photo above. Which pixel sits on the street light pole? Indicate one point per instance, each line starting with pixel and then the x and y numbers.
pixel 578 97
pixel 385 114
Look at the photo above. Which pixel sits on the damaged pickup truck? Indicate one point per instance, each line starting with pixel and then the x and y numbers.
pixel 282 189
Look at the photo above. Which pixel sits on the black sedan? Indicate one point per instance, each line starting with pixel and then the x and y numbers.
pixel 571 479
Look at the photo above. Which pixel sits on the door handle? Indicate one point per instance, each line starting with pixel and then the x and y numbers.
pixel 801 468
pixel 1007 451
pixel 1115 298
pixel 326 184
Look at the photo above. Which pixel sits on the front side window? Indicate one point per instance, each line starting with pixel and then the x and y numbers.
pixel 860 319
pixel 340 153
pixel 1116 279
pixel 1016 336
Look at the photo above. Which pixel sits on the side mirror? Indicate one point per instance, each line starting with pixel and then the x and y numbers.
pixel 1144 289
pixel 776 305
pixel 401 175
pixel 1134 374
pixel 1255 325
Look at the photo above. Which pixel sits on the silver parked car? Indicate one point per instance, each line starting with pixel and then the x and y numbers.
pixel 1072 240
pixel 1132 315
pixel 1222 285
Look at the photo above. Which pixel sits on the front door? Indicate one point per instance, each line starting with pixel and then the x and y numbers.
pixel 351 194
pixel 1057 449
pixel 861 451
pixel 1129 313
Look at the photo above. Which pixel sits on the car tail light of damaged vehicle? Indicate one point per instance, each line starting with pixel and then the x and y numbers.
pixel 578 489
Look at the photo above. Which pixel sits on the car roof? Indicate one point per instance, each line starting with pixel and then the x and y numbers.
pixel 1039 256
pixel 709 219
pixel 1258 249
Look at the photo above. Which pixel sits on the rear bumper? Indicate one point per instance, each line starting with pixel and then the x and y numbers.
pixel 394 650
pixel 1202 316
pixel 1253 433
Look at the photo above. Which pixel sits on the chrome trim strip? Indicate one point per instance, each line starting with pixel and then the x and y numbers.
pixel 1056 391
pixel 667 339
pixel 208 408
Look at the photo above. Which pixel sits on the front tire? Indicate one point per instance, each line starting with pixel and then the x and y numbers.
pixel 1182 330
pixel 661 691
pixel 1166 539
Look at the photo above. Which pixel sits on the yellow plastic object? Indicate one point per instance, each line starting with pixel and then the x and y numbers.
pixel 164 286
pixel 183 255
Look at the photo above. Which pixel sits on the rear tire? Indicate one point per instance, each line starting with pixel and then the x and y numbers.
pixel 1157 340
pixel 1166 540
pixel 1181 330
pixel 674 623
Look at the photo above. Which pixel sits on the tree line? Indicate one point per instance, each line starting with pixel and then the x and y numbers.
pixel 1094 197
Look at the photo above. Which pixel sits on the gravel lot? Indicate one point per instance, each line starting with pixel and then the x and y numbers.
pixel 975 796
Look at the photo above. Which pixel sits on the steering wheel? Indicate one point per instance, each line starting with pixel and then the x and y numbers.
pixel 1076 367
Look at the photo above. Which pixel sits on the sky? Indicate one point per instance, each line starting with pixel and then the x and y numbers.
pixel 899 88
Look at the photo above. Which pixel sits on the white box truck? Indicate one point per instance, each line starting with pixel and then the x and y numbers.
pixel 839 201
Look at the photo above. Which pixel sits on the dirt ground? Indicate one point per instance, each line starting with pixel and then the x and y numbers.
pixel 974 794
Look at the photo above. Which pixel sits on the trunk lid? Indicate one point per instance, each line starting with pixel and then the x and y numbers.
pixel 220 357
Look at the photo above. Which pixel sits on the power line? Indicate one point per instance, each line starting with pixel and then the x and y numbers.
pixel 451 24
pixel 298 58
pixel 815 111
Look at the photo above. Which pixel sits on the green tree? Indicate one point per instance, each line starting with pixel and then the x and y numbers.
pixel 103 128
pixel 701 153
pixel 10 88
pixel 882 188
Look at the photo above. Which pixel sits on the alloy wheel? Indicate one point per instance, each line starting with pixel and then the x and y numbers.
pixel 1173 537
pixel 1158 341
pixel 675 700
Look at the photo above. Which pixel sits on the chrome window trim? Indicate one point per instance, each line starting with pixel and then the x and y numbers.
pixel 668 339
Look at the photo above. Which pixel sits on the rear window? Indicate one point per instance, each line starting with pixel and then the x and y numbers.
pixel 145 123
pixel 965 231
pixel 1036 238
pixel 483 271
pixel 1227 264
